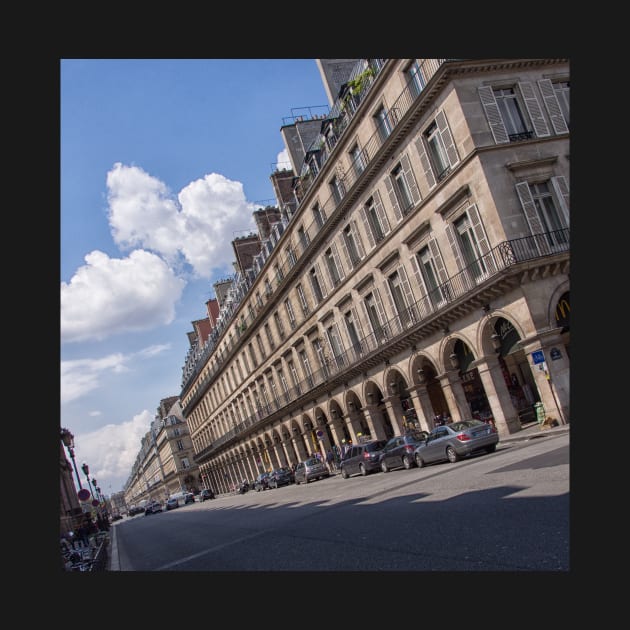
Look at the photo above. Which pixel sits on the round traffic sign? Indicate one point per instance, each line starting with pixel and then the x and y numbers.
pixel 95 502
pixel 83 494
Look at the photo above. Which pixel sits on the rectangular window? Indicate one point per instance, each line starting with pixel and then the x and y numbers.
pixel 306 365
pixel 338 189
pixel 376 316
pixel 437 151
pixel 180 445
pixel 357 159
pixel 470 248
pixel 511 114
pixel 319 215
pixel 290 314
pixel 290 255
pixel 336 345
pixel 401 189
pixel 401 307
pixel 284 385
pixel 270 340
pixel 415 80
pixel 303 301
pixel 321 357
pixel 333 272
pixel 383 123
pixel 278 320
pixel 303 238
pixel 261 348
pixel 252 354
pixel 294 377
pixel 374 221
pixel 316 284
pixel 350 243
pixel 353 333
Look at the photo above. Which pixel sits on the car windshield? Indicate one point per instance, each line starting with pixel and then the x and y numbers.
pixel 375 446
pixel 416 436
pixel 312 462
pixel 465 424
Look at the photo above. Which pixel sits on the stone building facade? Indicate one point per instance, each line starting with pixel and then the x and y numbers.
pixel 421 269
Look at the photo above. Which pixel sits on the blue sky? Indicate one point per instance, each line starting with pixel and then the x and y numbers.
pixel 162 163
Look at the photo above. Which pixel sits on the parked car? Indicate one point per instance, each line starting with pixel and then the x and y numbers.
pixel 116 517
pixel 261 482
pixel 310 469
pixel 399 450
pixel 189 497
pixel 206 494
pixel 280 477
pixel 451 442
pixel 152 508
pixel 171 503
pixel 362 458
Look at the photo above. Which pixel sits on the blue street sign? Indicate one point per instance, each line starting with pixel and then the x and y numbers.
pixel 538 356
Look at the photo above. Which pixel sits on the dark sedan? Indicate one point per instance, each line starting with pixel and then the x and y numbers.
pixel 456 440
pixel 362 458
pixel 280 477
pixel 399 451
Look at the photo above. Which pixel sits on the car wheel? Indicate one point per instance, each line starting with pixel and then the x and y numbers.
pixel 419 462
pixel 407 462
pixel 384 467
pixel 344 473
pixel 258 489
pixel 451 455
pixel 362 470
pixel 491 448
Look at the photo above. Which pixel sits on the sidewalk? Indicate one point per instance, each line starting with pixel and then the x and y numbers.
pixel 533 430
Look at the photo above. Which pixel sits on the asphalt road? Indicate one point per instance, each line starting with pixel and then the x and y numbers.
pixel 507 511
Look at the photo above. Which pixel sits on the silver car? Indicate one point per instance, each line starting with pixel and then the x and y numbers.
pixel 451 442
pixel 310 469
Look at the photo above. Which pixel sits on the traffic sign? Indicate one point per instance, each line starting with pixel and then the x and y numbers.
pixel 538 356
pixel 83 494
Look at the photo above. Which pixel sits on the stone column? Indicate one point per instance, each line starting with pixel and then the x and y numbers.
pixel 454 393
pixel 395 411
pixel 553 382
pixel 505 415
pixel 422 404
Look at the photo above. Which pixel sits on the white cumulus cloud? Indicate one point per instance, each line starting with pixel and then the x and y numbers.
pixel 112 295
pixel 197 227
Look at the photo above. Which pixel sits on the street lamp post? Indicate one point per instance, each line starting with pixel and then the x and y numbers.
pixel 68 441
pixel 96 490
pixel 86 469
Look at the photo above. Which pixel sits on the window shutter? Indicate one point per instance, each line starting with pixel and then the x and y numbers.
pixel 527 202
pixel 482 237
pixel 553 107
pixel 344 248
pixel 337 260
pixel 390 299
pixel 393 198
pixel 357 322
pixel 368 229
pixel 320 277
pixel 357 239
pixel 493 114
pixel 409 296
pixel 447 138
pixel 424 306
pixel 534 109
pixel 561 188
pixel 424 160
pixel 379 307
pixel 380 212
pixel 410 177
pixel 450 233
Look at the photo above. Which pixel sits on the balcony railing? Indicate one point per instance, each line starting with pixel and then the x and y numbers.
pixel 496 261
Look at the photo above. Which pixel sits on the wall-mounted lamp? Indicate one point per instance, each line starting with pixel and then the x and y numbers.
pixel 496 341
pixel 454 360
pixel 422 377
pixel 351 406
pixel 485 308
pixel 333 413
pixel 370 398
pixel 393 387
pixel 319 418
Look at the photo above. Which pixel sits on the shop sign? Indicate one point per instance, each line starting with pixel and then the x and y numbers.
pixel 538 356
pixel 555 354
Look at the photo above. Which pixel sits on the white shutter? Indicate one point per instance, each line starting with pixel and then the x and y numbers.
pixel 337 260
pixel 529 208
pixel 380 212
pixel 553 107
pixel 344 248
pixel 534 109
pixel 357 239
pixel 493 114
pixel 454 243
pixel 392 197
pixel 409 296
pixel 390 299
pixel 447 138
pixel 357 323
pixel 482 238
pixel 379 307
pixel 424 160
pixel 320 277
pixel 424 305
pixel 561 188
pixel 410 177
pixel 368 229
